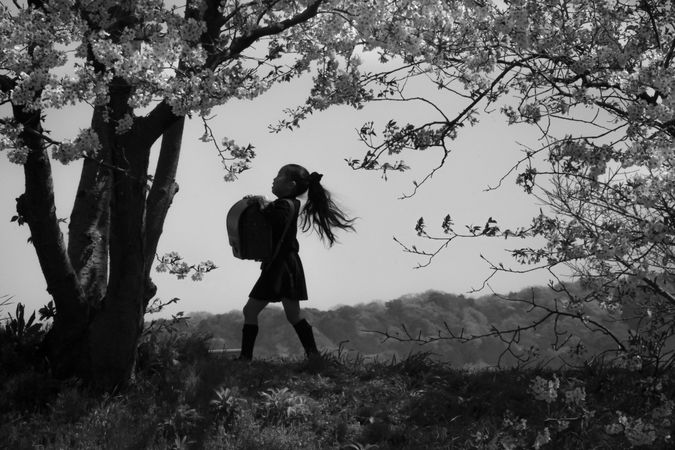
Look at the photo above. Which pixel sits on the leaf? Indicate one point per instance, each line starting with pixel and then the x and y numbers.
pixel 48 311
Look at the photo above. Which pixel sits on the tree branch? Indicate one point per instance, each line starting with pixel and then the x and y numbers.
pixel 37 207
pixel 88 229
pixel 241 43
pixel 160 197
pixel 155 122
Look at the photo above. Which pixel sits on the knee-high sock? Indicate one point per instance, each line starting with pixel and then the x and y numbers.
pixel 304 331
pixel 248 335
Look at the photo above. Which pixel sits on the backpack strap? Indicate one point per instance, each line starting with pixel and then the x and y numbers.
pixel 286 227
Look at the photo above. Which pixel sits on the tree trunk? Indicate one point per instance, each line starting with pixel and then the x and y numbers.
pixel 164 188
pixel 63 343
pixel 90 220
pixel 117 325
pixel 100 283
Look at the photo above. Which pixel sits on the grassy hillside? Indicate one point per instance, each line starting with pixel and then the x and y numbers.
pixel 185 398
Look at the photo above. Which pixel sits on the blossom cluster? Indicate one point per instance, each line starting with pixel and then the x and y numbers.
pixel 10 140
pixel 636 431
pixel 174 264
pixel 546 390
pixel 85 144
pixel 145 54
pixel 239 160
pixel 647 429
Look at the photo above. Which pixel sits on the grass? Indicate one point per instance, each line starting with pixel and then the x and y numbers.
pixel 183 398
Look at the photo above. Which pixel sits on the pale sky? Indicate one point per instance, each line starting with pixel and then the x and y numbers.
pixel 366 265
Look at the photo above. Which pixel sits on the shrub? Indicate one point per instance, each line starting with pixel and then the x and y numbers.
pixel 20 339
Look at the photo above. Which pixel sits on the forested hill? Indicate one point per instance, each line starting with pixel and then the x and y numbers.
pixel 351 328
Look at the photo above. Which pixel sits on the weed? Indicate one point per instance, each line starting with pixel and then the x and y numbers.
pixel 281 403
pixel 20 329
pixel 227 404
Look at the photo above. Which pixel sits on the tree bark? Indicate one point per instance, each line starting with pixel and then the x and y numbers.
pixel 164 188
pixel 90 219
pixel 36 206
pixel 116 327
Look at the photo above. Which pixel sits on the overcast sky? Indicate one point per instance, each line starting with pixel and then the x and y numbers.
pixel 366 265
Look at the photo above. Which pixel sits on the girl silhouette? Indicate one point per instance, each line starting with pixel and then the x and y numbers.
pixel 282 277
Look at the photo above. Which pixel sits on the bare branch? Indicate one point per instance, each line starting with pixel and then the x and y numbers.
pixel 429 175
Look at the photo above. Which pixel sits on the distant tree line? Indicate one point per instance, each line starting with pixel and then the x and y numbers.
pixel 421 323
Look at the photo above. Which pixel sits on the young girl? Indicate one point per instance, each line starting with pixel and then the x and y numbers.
pixel 282 278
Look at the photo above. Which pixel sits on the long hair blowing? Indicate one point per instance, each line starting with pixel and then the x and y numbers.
pixel 320 211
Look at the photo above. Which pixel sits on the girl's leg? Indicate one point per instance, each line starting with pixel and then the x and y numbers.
pixel 302 327
pixel 251 310
pixel 292 310
pixel 250 330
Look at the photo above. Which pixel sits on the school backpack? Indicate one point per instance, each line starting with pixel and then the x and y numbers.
pixel 249 233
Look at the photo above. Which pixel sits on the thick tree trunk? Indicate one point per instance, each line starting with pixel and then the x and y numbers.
pixel 100 284
pixel 63 345
pixel 164 188
pixel 111 209
pixel 117 325
pixel 115 328
pixel 90 219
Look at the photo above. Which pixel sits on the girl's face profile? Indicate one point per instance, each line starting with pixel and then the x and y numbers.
pixel 283 186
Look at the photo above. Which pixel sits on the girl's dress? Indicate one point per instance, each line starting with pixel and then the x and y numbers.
pixel 282 278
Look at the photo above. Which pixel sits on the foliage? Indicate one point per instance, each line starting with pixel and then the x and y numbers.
pixel 226 403
pixel 283 404
pixel 25 383
pixel 173 263
pixel 193 58
pixel 20 339
pixel 20 330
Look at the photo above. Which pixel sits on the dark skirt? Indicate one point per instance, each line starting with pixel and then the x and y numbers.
pixel 282 279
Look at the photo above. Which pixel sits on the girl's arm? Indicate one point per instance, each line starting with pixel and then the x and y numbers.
pixel 262 201
pixel 278 212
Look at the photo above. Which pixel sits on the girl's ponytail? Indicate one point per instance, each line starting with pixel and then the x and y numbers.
pixel 320 211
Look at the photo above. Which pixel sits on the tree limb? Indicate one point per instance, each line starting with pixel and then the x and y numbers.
pixel 38 209
pixel 241 43
pixel 155 122
pixel 88 228
pixel 160 197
